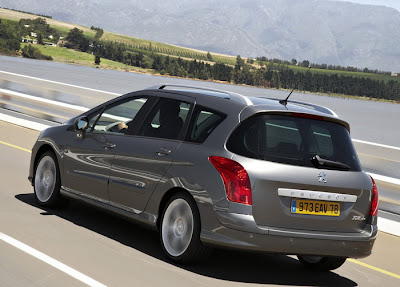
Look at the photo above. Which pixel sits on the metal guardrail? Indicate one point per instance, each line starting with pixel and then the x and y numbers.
pixel 38 107
pixel 47 99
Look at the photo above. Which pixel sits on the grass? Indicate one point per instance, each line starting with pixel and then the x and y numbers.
pixel 64 55
pixel 64 31
pixel 372 76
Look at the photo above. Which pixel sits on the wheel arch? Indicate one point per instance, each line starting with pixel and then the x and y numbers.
pixel 166 197
pixel 43 149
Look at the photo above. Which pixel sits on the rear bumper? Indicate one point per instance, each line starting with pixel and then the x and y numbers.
pixel 241 232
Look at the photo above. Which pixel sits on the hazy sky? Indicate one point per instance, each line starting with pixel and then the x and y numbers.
pixel 389 3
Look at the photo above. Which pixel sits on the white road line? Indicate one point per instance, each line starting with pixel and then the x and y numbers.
pixel 376 144
pixel 47 259
pixel 59 83
pixel 389 226
pixel 24 123
pixel 385 178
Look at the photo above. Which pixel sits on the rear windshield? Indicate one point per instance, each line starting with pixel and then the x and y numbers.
pixel 296 141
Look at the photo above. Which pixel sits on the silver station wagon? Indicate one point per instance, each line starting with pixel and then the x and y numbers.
pixel 209 168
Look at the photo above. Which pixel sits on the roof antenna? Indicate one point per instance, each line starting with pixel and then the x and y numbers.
pixel 284 102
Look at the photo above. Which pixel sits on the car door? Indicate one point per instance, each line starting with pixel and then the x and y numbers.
pixel 88 159
pixel 142 160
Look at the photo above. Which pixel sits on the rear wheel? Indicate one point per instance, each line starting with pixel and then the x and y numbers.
pixel 180 230
pixel 47 182
pixel 320 263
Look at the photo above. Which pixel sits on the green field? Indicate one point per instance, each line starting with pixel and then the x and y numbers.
pixel 61 54
pixel 372 76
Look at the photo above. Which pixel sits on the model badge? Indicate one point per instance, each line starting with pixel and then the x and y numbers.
pixel 357 217
pixel 322 176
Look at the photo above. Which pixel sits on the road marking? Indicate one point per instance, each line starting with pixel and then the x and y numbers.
pixel 389 226
pixel 51 261
pixel 14 146
pixel 21 122
pixel 379 177
pixel 374 268
pixel 376 144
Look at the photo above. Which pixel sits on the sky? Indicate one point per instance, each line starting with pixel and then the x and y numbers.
pixel 389 3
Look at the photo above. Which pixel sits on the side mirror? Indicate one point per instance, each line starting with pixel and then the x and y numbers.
pixel 81 126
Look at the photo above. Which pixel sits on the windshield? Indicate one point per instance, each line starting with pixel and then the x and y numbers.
pixel 296 141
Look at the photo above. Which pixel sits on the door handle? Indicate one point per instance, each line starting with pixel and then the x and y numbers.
pixel 109 145
pixel 163 151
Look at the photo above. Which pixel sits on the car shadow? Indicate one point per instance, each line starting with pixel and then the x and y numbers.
pixel 224 265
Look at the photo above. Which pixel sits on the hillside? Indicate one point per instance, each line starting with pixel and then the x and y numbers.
pixel 331 32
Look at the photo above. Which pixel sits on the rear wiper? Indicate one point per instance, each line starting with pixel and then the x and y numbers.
pixel 321 162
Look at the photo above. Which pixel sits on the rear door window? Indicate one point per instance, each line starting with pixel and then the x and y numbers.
pixel 296 141
pixel 166 120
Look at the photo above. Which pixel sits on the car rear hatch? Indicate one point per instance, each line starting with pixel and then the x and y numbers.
pixel 304 172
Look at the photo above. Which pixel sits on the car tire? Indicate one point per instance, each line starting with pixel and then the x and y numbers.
pixel 47 183
pixel 320 263
pixel 180 230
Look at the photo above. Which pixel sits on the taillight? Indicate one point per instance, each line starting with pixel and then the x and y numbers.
pixel 374 199
pixel 236 179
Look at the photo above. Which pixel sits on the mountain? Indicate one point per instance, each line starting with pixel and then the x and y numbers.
pixel 331 32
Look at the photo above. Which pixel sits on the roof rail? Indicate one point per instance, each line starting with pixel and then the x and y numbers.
pixel 321 109
pixel 233 96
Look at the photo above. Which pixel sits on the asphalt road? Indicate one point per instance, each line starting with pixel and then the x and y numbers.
pixel 115 252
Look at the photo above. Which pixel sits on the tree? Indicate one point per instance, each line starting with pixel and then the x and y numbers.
pixel 40 39
pixel 77 40
pixel 250 60
pixel 157 63
pixel 209 57
pixel 239 63
pixel 99 33
pixel 9 37
pixel 305 63
pixel 139 59
pixel 294 62
pixel 97 60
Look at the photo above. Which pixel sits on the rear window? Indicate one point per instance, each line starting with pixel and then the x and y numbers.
pixel 204 121
pixel 296 141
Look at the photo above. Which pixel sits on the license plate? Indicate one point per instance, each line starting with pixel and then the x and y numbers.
pixel 326 208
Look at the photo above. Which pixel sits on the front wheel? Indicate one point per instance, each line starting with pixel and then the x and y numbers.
pixel 47 182
pixel 320 263
pixel 180 230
